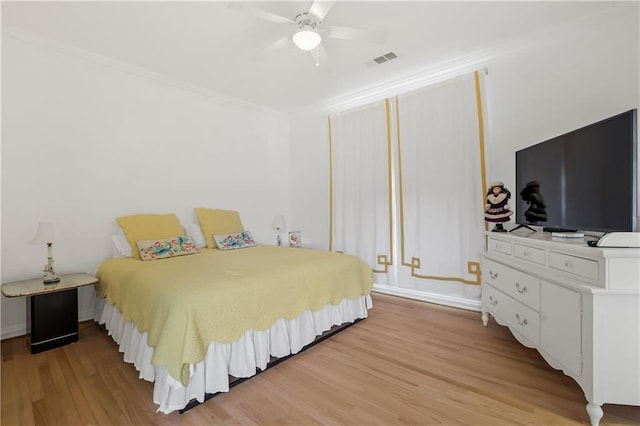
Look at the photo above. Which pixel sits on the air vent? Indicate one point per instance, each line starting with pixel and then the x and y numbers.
pixel 382 59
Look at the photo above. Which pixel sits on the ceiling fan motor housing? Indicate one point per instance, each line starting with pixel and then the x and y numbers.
pixel 305 21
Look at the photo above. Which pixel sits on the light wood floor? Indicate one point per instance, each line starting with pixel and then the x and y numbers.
pixel 408 363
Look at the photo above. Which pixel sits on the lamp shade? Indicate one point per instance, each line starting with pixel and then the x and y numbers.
pixel 278 222
pixel 46 233
pixel 307 39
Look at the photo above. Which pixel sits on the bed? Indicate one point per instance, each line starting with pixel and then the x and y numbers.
pixel 193 324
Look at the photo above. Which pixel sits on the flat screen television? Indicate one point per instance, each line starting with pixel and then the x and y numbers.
pixel 584 180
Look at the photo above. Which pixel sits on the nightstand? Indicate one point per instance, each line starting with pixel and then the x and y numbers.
pixel 52 309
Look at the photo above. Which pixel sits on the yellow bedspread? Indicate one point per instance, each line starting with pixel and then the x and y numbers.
pixel 187 302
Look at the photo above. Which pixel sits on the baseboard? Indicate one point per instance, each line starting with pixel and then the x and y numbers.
pixel 18 330
pixel 439 299
pixel 14 331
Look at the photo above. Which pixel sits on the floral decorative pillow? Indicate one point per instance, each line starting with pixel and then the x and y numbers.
pixel 234 240
pixel 168 247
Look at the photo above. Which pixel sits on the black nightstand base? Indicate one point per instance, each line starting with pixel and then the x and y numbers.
pixel 52 320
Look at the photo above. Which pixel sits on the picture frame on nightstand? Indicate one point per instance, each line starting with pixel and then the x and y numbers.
pixel 295 239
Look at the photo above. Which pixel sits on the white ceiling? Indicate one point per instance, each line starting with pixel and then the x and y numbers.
pixel 207 44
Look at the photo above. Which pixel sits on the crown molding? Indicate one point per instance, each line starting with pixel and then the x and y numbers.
pixel 409 82
pixel 140 72
pixel 424 77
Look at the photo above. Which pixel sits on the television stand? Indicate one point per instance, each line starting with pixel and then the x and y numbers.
pixel 522 226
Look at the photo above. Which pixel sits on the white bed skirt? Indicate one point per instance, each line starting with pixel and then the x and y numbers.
pixel 238 359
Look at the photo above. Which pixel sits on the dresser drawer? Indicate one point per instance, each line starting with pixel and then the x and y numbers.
pixel 522 287
pixel 519 317
pixel 499 246
pixel 587 268
pixel 531 254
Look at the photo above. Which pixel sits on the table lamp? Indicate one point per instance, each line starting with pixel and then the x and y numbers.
pixel 47 234
pixel 278 225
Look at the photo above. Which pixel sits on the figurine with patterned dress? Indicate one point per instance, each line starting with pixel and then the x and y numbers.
pixel 497 207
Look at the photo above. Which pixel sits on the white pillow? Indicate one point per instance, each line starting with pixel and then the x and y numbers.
pixel 120 247
pixel 193 230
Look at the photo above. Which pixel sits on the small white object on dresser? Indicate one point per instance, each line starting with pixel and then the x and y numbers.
pixel 579 306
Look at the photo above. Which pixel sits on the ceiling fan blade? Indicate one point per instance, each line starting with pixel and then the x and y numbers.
pixel 241 6
pixel 320 8
pixel 360 34
pixel 270 48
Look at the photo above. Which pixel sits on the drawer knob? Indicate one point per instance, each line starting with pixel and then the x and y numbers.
pixel 521 322
pixel 526 254
pixel 494 302
pixel 493 275
pixel 568 265
pixel 521 290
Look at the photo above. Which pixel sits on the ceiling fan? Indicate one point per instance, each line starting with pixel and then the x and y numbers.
pixel 306 31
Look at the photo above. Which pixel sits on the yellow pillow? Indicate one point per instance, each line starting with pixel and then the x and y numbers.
pixel 214 221
pixel 149 227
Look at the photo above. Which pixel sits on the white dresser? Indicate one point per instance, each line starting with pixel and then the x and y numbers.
pixel 579 306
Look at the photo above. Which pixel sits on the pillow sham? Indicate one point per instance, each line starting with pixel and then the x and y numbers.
pixel 193 230
pixel 147 227
pixel 169 247
pixel 234 240
pixel 214 221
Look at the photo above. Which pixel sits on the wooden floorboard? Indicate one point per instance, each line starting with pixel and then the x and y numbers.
pixel 410 362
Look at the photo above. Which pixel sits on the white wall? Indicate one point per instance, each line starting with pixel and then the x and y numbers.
pixel 551 83
pixel 85 141
pixel 310 182
pixel 554 88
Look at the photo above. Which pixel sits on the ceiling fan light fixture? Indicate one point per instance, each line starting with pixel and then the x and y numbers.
pixel 307 39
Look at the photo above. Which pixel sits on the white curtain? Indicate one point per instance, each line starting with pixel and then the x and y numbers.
pixel 408 186
pixel 440 186
pixel 361 181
